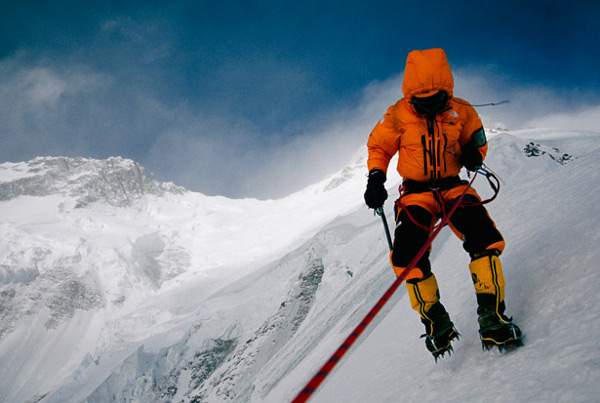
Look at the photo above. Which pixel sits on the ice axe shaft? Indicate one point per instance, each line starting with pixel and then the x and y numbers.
pixel 379 211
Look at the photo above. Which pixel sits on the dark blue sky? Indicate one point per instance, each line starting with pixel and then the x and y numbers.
pixel 209 94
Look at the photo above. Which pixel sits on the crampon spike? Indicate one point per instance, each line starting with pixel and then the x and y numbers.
pixel 442 352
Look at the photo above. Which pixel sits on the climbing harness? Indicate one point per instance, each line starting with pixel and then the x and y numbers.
pixel 410 187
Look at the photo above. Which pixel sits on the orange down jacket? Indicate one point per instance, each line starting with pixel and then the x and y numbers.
pixel 428 149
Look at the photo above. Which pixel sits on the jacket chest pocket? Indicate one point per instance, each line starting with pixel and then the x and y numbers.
pixel 451 134
pixel 411 134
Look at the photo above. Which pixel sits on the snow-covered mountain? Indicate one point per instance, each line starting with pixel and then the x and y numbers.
pixel 115 287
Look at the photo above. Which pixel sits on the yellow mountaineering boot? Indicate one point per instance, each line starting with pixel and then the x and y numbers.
pixel 425 299
pixel 495 328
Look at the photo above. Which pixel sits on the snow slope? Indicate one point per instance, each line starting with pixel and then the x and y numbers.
pixel 114 287
pixel 550 216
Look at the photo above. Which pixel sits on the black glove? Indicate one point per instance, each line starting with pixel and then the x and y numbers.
pixel 376 194
pixel 471 157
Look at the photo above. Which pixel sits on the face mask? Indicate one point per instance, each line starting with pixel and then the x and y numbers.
pixel 431 105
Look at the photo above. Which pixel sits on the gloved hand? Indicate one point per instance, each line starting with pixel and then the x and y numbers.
pixel 376 194
pixel 471 158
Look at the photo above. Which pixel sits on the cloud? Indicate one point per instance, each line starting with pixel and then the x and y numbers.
pixel 221 154
pixel 147 39
pixel 42 86
pixel 262 127
pixel 327 145
pixel 582 120
pixel 528 103
pixel 206 154
pixel 36 101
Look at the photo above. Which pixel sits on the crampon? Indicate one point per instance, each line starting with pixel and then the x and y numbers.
pixel 505 336
pixel 441 343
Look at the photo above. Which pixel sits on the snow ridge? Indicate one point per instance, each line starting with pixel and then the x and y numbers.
pixel 116 181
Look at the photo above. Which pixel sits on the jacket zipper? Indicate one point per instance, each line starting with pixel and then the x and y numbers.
pixel 444 151
pixel 425 153
pixel 432 151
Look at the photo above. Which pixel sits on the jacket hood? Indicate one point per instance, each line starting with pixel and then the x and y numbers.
pixel 427 71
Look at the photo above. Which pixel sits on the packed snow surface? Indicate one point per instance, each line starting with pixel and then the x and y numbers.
pixel 115 287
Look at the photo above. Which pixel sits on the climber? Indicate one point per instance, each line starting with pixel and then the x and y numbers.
pixel 435 136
